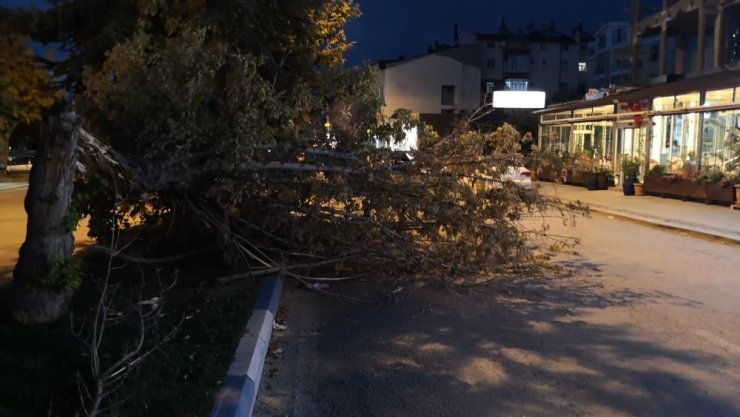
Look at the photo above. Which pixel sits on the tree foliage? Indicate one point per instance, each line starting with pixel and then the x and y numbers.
pixel 236 124
pixel 25 88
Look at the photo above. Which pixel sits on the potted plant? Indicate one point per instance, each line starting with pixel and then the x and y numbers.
pixel 631 170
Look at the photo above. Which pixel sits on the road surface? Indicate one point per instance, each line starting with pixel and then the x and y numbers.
pixel 13 230
pixel 641 322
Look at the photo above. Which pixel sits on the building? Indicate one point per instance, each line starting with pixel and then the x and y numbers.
pixel 459 78
pixel 445 81
pixel 687 121
pixel 534 58
pixel 706 34
pixel 610 56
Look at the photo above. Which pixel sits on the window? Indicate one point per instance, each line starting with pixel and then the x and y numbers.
pixel 517 84
pixel 491 45
pixel 602 41
pixel 544 62
pixel 543 47
pixel 517 63
pixel 491 63
pixel 654 53
pixel 489 86
pixel 565 47
pixel 718 97
pixel 563 65
pixel 617 36
pixel 582 67
pixel 448 95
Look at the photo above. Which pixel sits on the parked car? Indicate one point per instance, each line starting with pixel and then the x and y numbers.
pixel 19 165
pixel 520 176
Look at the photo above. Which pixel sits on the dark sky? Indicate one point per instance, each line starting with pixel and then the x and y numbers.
pixel 389 28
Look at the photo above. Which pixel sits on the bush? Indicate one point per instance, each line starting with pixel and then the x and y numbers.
pixel 657 170
pixel 716 176
pixel 631 166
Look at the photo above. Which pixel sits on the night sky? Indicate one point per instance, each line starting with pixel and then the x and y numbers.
pixel 390 28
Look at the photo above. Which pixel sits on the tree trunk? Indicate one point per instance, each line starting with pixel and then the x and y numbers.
pixel 47 234
pixel 4 150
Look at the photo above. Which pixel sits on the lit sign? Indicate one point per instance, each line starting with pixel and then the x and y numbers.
pixel 519 99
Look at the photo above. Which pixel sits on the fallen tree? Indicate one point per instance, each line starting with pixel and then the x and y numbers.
pixel 236 125
pixel 444 211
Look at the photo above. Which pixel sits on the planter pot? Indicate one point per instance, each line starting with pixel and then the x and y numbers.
pixel 591 181
pixel 576 178
pixel 628 186
pixel 548 173
pixel 602 181
pixel 639 189
pixel 672 186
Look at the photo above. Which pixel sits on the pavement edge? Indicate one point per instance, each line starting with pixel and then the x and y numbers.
pixel 649 220
pixel 238 394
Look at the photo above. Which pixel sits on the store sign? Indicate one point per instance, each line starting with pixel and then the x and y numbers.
pixel 519 99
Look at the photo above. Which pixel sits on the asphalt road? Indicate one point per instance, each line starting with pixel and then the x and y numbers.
pixel 13 230
pixel 643 322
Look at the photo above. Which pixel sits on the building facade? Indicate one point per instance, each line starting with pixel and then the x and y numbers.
pixel 534 58
pixel 686 120
pixel 442 82
pixel 688 127
pixel 610 57
pixel 706 35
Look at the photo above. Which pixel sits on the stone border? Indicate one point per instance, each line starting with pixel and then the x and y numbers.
pixel 237 396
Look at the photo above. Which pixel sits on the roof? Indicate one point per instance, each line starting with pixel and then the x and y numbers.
pixel 713 81
pixel 466 54
pixel 544 34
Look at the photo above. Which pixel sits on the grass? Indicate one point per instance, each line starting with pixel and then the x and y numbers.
pixel 38 365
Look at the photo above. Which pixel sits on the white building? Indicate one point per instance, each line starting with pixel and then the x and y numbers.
pixel 445 81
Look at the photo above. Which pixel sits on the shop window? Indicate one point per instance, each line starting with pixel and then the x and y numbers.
pixel 720 149
pixel 719 97
pixel 687 101
pixel 664 103
pixel 677 136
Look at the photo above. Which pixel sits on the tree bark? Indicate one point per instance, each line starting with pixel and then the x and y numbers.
pixel 47 234
pixel 4 151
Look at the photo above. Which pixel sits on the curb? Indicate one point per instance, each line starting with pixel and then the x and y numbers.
pixel 12 187
pixel 237 396
pixel 649 220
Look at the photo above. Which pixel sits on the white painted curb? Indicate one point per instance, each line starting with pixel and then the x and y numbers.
pixel 237 396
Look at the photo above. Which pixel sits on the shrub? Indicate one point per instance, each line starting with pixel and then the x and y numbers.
pixel 657 170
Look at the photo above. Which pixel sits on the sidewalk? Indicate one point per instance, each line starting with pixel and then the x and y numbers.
pixel 709 220
pixel 5 184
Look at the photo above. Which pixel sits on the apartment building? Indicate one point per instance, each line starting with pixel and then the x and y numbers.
pixel 534 58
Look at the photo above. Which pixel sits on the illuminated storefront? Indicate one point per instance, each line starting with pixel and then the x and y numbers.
pixel 689 126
